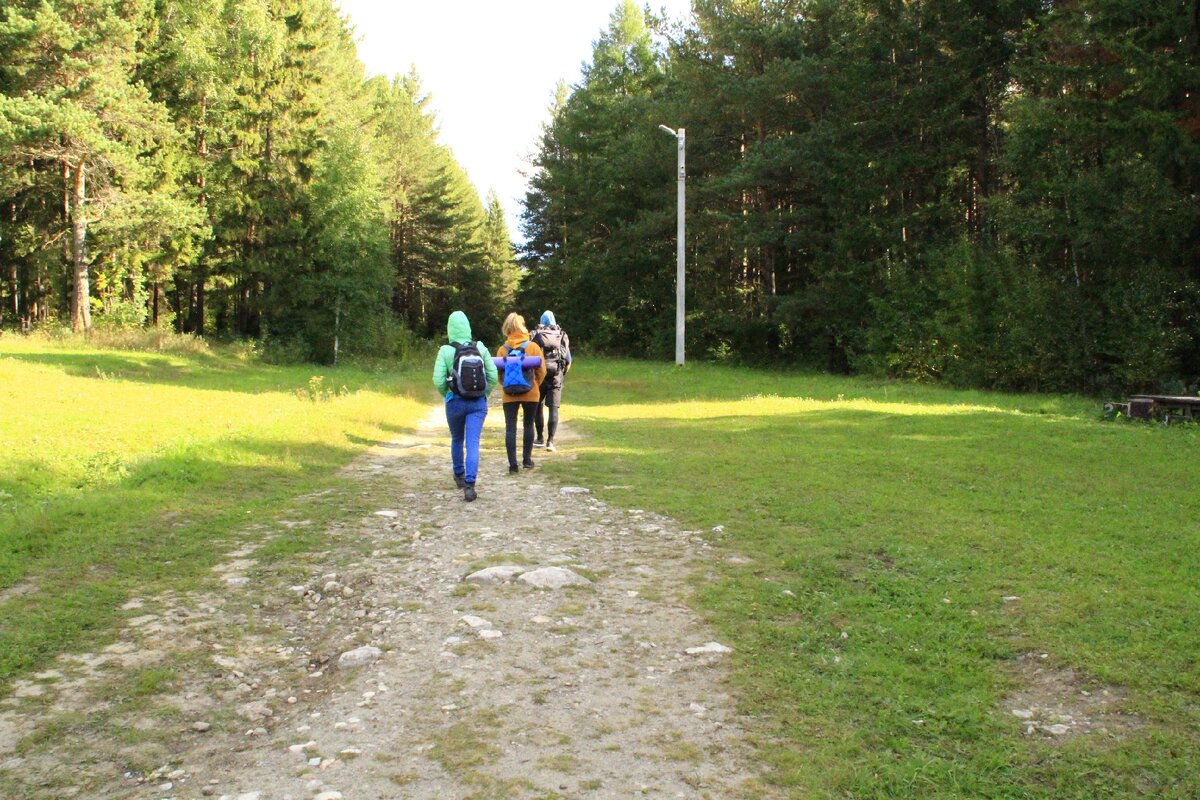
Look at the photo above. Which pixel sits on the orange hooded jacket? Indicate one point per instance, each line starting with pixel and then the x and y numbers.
pixel 539 374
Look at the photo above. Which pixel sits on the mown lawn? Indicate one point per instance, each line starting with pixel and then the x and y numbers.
pixel 129 472
pixel 883 526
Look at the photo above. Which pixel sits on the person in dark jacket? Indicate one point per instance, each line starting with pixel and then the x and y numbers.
pixel 464 415
pixel 556 346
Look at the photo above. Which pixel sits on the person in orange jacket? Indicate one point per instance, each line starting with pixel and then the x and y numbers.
pixel 516 335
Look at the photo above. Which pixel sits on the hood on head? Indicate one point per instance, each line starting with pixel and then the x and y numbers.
pixel 516 337
pixel 548 318
pixel 458 328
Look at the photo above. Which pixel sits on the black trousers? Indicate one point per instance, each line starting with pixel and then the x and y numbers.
pixel 551 399
pixel 529 410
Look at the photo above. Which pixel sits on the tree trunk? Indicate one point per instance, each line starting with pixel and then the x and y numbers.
pixel 16 291
pixel 14 273
pixel 81 312
pixel 198 313
pixel 66 211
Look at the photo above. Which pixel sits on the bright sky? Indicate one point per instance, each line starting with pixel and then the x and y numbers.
pixel 490 67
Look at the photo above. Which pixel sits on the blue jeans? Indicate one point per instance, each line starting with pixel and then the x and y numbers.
pixel 465 418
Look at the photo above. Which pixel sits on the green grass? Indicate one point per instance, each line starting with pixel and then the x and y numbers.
pixel 128 473
pixel 903 515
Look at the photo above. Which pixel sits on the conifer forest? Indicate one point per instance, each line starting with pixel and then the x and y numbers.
pixel 998 193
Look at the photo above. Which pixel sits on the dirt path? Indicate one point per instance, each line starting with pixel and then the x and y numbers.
pixel 470 686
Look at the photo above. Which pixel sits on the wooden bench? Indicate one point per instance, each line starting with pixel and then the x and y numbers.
pixel 1168 408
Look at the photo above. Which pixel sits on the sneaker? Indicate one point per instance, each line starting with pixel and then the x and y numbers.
pixel 513 468
pixel 460 481
pixel 528 465
pixel 550 446
pixel 538 443
pixel 469 492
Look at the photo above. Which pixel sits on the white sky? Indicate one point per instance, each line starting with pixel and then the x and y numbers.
pixel 490 67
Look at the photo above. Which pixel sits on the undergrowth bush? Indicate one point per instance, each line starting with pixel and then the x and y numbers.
pixel 161 340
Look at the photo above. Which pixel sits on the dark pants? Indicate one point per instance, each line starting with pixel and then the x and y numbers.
pixel 510 431
pixel 551 398
pixel 465 419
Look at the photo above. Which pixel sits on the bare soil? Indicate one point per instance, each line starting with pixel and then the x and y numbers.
pixel 1059 703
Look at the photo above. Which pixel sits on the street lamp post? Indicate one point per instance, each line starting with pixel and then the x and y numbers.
pixel 680 183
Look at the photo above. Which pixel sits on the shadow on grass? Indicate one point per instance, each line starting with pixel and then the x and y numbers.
pixel 999 460
pixel 207 372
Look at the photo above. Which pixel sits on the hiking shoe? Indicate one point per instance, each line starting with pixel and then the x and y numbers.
pixel 513 468
pixel 550 446
pixel 469 492
pixel 460 481
pixel 528 465
pixel 538 443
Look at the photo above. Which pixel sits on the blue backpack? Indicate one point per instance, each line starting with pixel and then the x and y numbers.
pixel 516 379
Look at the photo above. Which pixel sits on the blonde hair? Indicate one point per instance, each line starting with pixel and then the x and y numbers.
pixel 513 322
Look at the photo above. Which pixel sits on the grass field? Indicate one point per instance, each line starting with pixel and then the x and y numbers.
pixel 900 567
pixel 127 472
pixel 875 531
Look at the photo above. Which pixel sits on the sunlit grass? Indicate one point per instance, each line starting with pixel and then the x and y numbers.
pixel 773 405
pixel 123 471
pixel 902 516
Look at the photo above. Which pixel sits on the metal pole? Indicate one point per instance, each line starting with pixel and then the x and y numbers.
pixel 681 185
pixel 679 250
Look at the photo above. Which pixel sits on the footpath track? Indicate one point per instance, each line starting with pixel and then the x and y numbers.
pixel 533 644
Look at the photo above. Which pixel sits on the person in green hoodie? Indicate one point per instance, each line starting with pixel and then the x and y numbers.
pixel 464 415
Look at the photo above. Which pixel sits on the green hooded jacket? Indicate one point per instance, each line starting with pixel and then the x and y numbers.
pixel 458 329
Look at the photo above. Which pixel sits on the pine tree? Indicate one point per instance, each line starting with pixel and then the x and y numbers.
pixel 435 216
pixel 499 259
pixel 599 199
pixel 73 111
pixel 1103 212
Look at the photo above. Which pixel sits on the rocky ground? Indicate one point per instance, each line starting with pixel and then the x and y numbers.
pixel 383 639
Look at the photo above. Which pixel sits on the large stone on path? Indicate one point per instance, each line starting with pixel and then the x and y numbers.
pixel 498 574
pixel 553 578
pixel 359 656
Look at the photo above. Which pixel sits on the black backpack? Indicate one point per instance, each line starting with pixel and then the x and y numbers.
pixel 550 339
pixel 468 377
